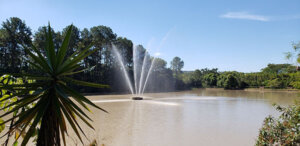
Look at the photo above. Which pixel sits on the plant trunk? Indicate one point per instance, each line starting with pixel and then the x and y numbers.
pixel 9 134
pixel 48 134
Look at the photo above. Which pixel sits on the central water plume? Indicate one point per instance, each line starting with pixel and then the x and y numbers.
pixel 141 69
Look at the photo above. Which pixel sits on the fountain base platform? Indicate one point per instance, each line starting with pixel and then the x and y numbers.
pixel 137 98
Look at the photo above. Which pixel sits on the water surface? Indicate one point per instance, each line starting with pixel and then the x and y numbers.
pixel 191 118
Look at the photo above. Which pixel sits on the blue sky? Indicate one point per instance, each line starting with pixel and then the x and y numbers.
pixel 230 35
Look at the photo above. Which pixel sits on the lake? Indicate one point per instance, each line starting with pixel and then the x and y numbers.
pixel 198 117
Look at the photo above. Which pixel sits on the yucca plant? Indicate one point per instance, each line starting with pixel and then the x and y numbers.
pixel 54 101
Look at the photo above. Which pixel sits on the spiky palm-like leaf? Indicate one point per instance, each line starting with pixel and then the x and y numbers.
pixel 55 104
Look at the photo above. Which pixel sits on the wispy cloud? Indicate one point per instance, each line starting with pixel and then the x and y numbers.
pixel 245 15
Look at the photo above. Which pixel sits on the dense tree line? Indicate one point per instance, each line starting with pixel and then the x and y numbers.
pixel 15 35
pixel 273 76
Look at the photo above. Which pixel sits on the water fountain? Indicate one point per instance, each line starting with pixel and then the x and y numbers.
pixel 141 72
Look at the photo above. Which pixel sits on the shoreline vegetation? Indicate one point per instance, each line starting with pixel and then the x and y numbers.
pixel 256 89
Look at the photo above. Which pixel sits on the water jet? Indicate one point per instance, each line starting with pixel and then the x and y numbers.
pixel 142 68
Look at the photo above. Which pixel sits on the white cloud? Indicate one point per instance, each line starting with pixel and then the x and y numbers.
pixel 245 15
pixel 157 54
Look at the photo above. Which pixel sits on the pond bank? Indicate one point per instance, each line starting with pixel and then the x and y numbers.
pixel 254 89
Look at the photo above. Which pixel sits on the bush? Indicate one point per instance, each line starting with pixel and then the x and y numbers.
pixel 295 84
pixel 282 131
pixel 210 80
pixel 231 82
pixel 275 83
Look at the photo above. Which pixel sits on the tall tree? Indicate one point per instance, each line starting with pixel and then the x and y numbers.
pixel 40 38
pixel 125 47
pixel 159 65
pixel 161 78
pixel 74 40
pixel 14 34
pixel 102 37
pixel 85 41
pixel 177 64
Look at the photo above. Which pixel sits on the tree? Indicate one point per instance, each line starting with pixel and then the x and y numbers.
pixel 197 78
pixel 14 34
pixel 74 40
pixel 275 83
pixel 295 54
pixel 284 130
pixel 102 37
pixel 231 82
pixel 295 83
pixel 210 80
pixel 204 77
pixel 207 71
pixel 40 38
pixel 177 64
pixel 52 97
pixel 85 41
pixel 161 77
pixel 279 68
pixel 125 47
pixel 159 65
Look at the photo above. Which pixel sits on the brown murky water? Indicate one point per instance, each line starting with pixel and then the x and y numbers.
pixel 190 118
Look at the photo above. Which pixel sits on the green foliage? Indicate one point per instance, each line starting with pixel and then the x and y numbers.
pixel 196 79
pixel 294 54
pixel 5 104
pixel 275 83
pixel 203 78
pixel 231 82
pixel 126 49
pixel 2 126
pixel 14 34
pixel 284 130
pixel 159 64
pixel 162 78
pixel 210 80
pixel 74 39
pixel 295 80
pixel 295 84
pixel 237 80
pixel 177 64
pixel 102 62
pixel 54 99
pixel 40 38
pixel 279 68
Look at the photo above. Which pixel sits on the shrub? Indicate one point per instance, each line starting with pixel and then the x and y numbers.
pixel 295 84
pixel 55 102
pixel 284 130
pixel 275 83
pixel 231 82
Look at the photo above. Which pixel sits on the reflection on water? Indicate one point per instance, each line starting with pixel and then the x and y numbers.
pixel 192 118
